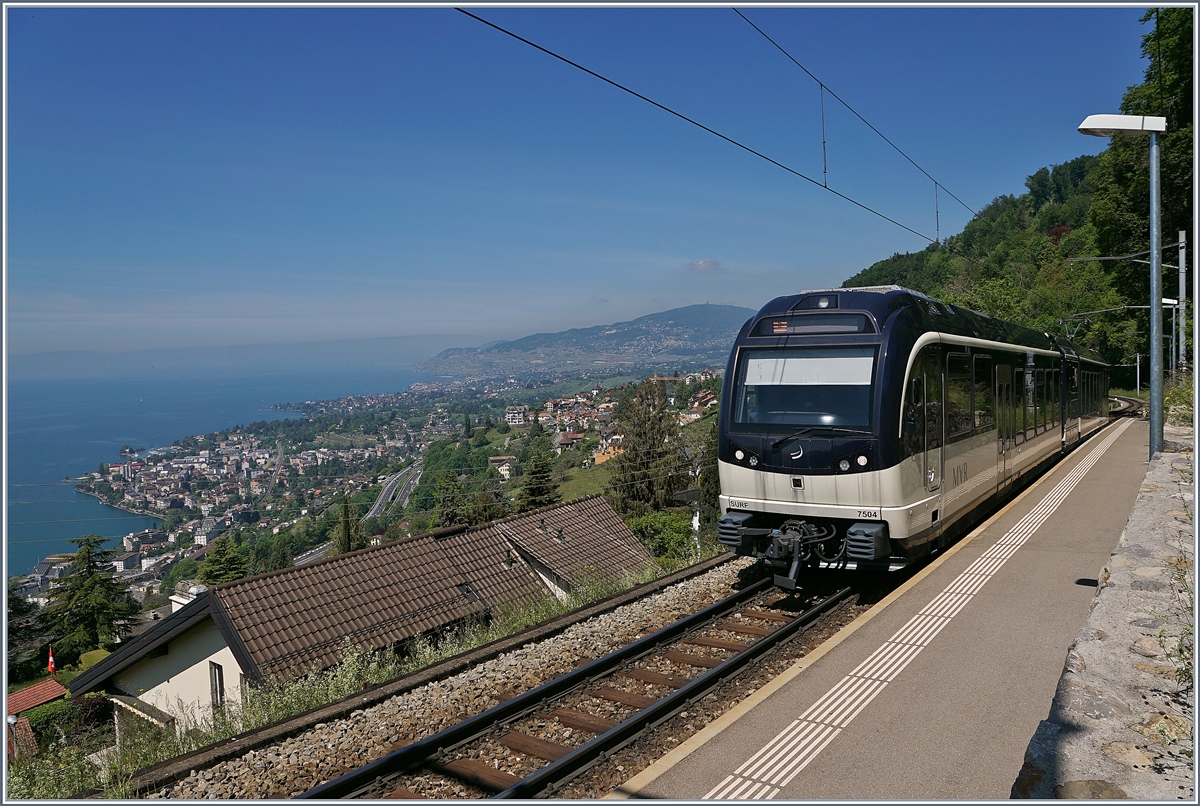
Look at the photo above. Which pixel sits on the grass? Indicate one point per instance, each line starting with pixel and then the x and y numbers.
pixel 344 441
pixel 64 676
pixel 89 659
pixel 62 771
pixel 586 481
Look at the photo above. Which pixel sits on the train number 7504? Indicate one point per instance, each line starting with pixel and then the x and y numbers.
pixel 869 513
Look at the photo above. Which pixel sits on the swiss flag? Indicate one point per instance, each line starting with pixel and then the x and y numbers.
pixel 50 665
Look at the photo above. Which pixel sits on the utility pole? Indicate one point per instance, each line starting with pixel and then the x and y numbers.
pixel 1156 317
pixel 1182 301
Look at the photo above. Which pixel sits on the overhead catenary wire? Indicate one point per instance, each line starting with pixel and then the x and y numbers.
pixel 697 124
pixel 825 88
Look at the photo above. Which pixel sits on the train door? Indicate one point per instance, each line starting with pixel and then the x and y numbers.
pixel 931 365
pixel 1005 423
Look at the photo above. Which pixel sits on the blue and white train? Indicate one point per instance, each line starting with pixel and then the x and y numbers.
pixel 863 428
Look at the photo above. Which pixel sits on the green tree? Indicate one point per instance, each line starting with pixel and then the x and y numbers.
pixel 89 607
pixel 281 555
pixel 710 485
pixel 346 536
pixel 652 467
pixel 187 568
pixel 488 503
pixel 27 635
pixel 539 488
pixel 1121 209
pixel 223 563
pixel 451 500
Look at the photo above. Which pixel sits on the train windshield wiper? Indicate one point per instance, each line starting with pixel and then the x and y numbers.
pixel 809 430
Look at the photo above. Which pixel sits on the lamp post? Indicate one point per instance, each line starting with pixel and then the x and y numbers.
pixel 1130 126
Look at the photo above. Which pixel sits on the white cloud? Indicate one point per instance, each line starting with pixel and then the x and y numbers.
pixel 704 266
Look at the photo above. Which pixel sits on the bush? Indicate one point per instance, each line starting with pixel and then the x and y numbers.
pixel 60 720
pixel 665 534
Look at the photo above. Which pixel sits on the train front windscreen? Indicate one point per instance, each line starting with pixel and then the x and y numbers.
pixel 783 389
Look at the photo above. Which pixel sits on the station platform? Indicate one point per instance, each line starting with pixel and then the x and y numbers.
pixel 935 692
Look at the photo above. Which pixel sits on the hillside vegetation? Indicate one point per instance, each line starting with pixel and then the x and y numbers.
pixel 1012 260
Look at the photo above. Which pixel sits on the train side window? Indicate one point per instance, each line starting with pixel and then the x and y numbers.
pixel 1052 392
pixel 984 405
pixel 1040 400
pixel 1030 405
pixel 958 394
pixel 1018 393
pixel 931 361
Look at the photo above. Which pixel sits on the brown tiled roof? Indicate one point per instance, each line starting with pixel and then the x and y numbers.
pixel 288 622
pixel 299 618
pixel 578 539
pixel 37 694
pixel 27 744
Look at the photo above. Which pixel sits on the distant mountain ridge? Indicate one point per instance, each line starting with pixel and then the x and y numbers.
pixel 681 338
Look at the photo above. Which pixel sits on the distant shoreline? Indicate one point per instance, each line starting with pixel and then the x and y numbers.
pixel 100 498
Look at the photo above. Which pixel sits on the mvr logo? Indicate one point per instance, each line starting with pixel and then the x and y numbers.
pixel 958 474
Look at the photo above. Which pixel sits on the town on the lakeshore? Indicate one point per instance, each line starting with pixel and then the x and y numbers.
pixel 239 481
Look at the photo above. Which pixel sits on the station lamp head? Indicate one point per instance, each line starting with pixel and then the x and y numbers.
pixel 1128 125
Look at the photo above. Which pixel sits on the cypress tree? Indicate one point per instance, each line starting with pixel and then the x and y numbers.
pixel 346 536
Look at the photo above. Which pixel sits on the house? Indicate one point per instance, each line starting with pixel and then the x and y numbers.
pixel 515 415
pixel 284 624
pixel 128 561
pixel 20 738
pixel 503 465
pixel 565 441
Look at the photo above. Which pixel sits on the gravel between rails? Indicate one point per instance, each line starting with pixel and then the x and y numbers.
pixel 619 767
pixel 330 749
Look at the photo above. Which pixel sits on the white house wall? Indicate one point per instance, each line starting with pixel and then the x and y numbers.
pixel 178 682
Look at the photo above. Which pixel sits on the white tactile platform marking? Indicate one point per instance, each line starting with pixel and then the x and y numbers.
pixel 765 773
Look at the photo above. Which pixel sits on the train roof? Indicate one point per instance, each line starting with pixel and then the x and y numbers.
pixel 882 301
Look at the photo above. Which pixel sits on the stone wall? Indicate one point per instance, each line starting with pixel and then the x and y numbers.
pixel 1120 725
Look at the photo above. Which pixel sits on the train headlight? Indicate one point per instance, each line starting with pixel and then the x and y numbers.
pixel 823 302
pixel 844 465
pixel 861 460
pixel 753 461
pixel 739 455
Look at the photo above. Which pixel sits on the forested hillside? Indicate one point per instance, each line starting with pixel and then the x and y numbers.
pixel 1011 261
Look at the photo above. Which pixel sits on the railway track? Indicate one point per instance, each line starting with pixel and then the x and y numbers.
pixel 530 745
pixel 1129 406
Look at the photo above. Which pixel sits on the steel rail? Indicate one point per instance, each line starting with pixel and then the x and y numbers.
pixel 546 780
pixel 429 748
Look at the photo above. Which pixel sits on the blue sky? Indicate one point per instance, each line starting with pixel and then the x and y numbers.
pixel 217 176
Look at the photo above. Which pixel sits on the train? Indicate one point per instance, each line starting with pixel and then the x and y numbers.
pixel 864 428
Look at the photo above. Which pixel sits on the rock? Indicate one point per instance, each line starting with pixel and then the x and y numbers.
pixel 1156 668
pixel 1088 790
pixel 1128 753
pixel 1147 585
pixel 1149 623
pixel 1149 571
pixel 1087 700
pixel 1165 729
pixel 1147 647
